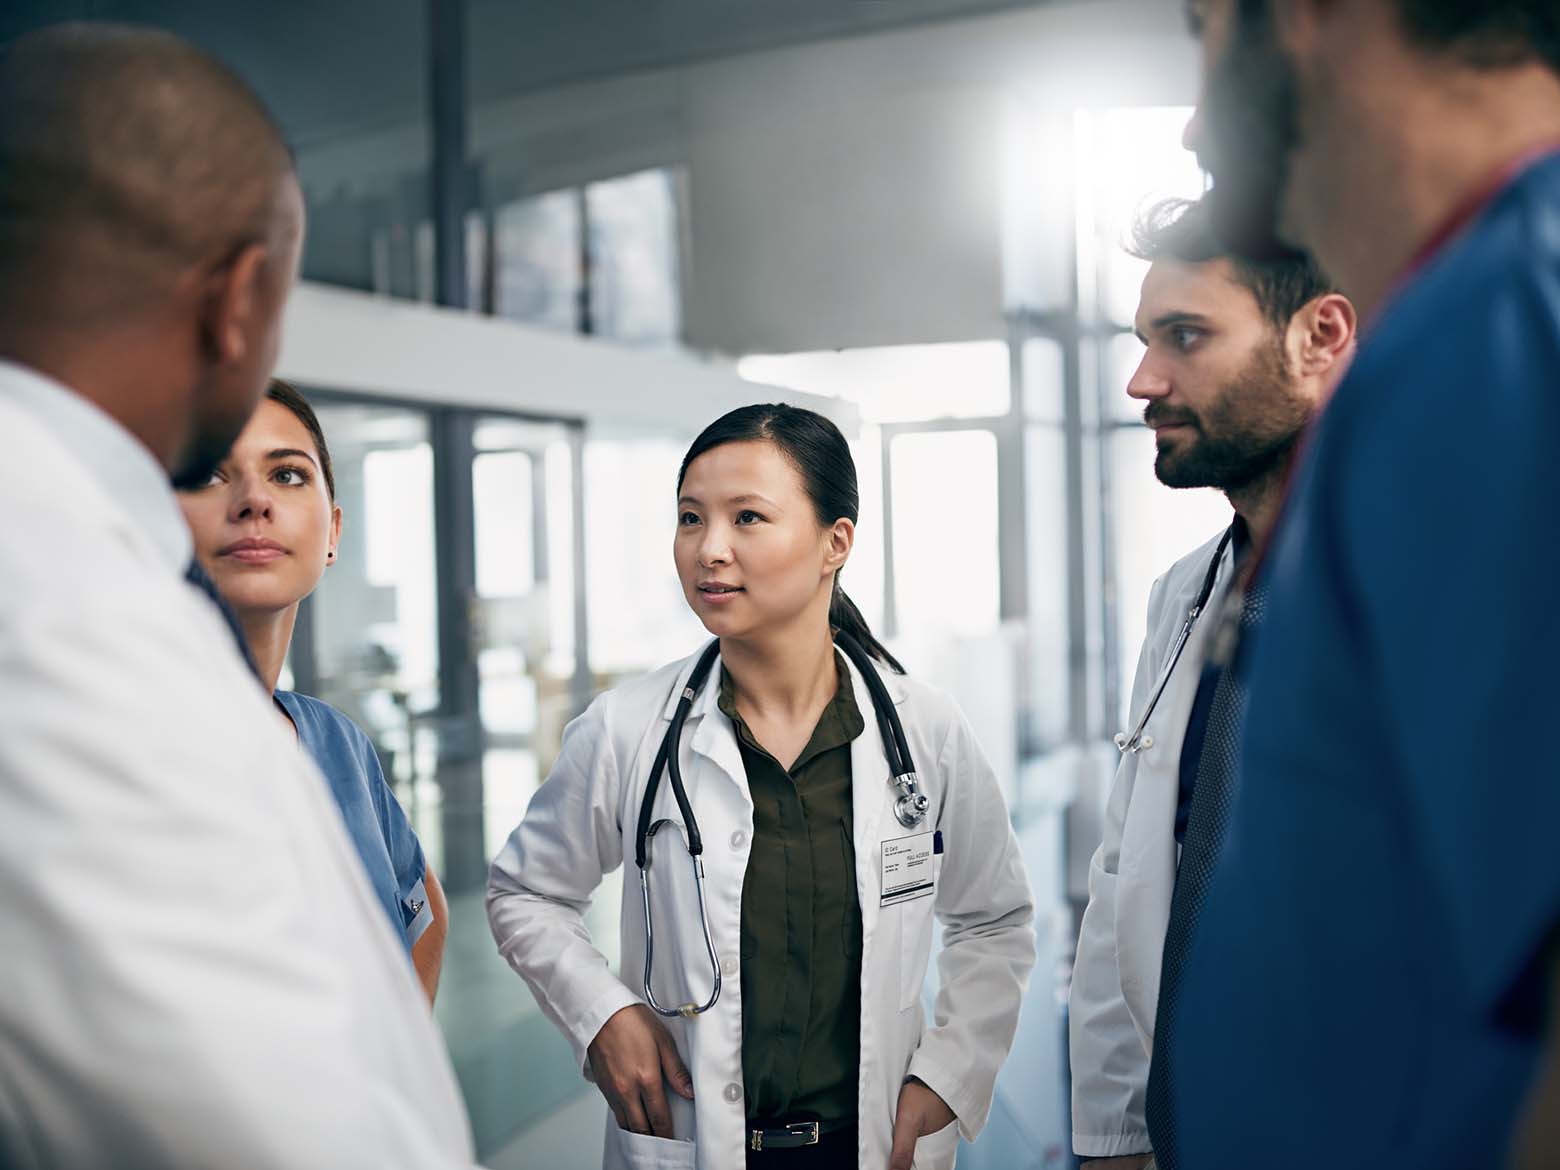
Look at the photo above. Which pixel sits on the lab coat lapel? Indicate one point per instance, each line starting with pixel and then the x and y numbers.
pixel 871 792
pixel 711 735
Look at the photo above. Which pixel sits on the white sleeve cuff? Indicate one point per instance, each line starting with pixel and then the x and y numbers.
pixel 1118 1145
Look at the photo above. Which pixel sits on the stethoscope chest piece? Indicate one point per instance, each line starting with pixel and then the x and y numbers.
pixel 911 805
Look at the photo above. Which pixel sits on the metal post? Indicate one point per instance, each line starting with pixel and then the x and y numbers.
pixel 582 685
pixel 890 600
pixel 460 724
pixel 1012 489
pixel 1110 615
pixel 1077 568
pixel 540 569
pixel 584 313
pixel 447 119
pixel 452 433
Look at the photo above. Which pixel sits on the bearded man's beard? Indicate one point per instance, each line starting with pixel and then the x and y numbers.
pixel 1249 433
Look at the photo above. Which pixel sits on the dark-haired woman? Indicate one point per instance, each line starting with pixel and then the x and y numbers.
pixel 266 525
pixel 819 899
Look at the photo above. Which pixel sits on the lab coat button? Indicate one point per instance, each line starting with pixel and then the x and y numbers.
pixel 738 839
pixel 728 966
pixel 732 1093
pixel 1148 741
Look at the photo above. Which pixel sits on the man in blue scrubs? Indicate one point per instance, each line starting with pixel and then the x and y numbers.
pixel 1369 981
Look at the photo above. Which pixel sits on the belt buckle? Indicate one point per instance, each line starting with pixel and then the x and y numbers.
pixel 811 1131
pixel 793 1136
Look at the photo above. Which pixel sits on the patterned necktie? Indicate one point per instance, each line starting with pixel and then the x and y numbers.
pixel 1213 797
pixel 197 577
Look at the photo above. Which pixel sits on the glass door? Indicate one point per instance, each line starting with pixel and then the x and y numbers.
pixel 367 640
pixel 524 619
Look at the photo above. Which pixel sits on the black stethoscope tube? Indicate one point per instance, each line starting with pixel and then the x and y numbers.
pixel 667 758
pixel 910 808
pixel 1134 741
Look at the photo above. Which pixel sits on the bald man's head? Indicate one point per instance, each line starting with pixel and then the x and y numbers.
pixel 126 156
pixel 150 224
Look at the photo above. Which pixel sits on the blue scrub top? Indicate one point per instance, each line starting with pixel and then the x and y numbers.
pixel 1366 984
pixel 391 855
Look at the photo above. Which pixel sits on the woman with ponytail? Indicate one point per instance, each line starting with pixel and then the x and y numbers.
pixel 804 1040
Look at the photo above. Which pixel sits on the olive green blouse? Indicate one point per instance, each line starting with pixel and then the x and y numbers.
pixel 801 922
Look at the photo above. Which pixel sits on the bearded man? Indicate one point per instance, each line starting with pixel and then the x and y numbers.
pixel 1239 355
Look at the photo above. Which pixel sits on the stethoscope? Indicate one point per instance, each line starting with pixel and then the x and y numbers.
pixel 1137 741
pixel 909 808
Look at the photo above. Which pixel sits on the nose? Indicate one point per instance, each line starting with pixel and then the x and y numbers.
pixel 714 547
pixel 1146 381
pixel 1192 135
pixel 249 500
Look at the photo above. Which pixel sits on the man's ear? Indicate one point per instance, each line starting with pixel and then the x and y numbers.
pixel 231 307
pixel 1329 325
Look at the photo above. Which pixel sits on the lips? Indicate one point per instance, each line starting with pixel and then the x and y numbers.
pixel 717 592
pixel 1164 420
pixel 254 550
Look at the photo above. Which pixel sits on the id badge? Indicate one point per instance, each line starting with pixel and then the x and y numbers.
pixel 908 871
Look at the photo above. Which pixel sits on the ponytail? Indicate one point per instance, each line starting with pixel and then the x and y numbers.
pixel 845 618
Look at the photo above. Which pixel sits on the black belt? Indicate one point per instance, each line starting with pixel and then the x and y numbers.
pixel 794 1136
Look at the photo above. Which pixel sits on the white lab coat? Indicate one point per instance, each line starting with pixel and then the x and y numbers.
pixel 1115 984
pixel 198 973
pixel 581 824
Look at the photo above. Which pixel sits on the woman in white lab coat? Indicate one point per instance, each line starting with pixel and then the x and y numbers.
pixel 816 1052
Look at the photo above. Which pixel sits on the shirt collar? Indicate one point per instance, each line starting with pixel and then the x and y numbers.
pixel 838 723
pixel 1240 538
pixel 111 455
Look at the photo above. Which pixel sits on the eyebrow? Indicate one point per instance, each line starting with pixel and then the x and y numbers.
pixel 291 453
pixel 1170 320
pixel 749 498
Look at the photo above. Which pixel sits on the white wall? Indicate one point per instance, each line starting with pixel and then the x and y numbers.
pixel 336 339
pixel 845 193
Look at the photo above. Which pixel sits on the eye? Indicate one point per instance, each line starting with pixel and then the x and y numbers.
pixel 687 519
pixel 748 516
pixel 290 476
pixel 212 481
pixel 1185 337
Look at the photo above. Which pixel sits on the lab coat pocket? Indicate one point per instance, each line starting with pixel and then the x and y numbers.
pixel 915 949
pixel 936 1151
pixel 638 1151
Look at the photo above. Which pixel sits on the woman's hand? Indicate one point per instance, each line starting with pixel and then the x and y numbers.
pixel 630 1057
pixel 920 1112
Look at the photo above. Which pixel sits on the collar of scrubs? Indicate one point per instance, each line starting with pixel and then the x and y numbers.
pixel 111 455
pixel 1470 208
